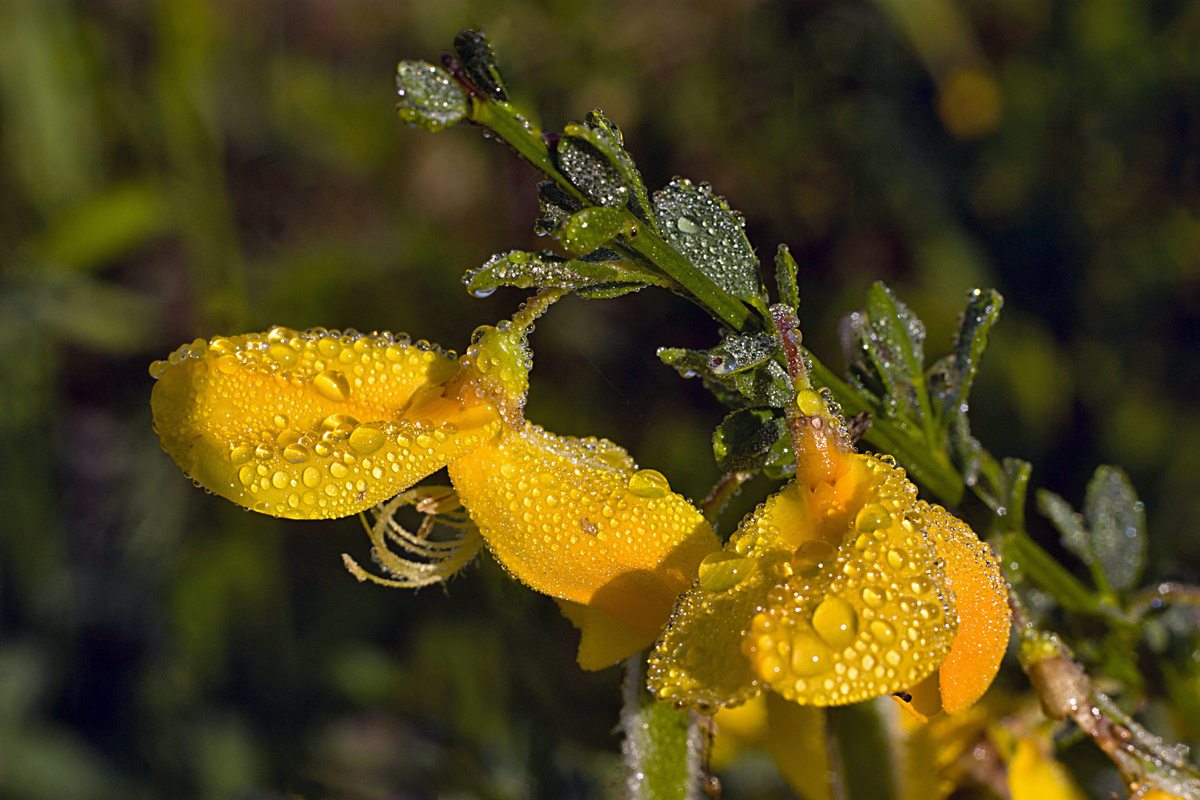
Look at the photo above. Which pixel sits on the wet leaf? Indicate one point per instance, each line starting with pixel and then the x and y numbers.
pixel 556 206
pixel 746 439
pixel 766 385
pixel 703 228
pixel 738 353
pixel 605 137
pixel 952 377
pixel 479 64
pixel 602 271
pixel 429 97
pixel 785 277
pixel 591 228
pixel 1075 536
pixel 694 364
pixel 591 171
pixel 1116 520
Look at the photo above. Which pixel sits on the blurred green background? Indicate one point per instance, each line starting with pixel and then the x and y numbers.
pixel 178 168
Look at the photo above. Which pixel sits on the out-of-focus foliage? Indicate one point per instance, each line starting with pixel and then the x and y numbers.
pixel 183 168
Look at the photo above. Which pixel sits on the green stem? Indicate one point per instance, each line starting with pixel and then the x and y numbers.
pixel 663 748
pixel 519 134
pixel 1016 547
pixel 860 750
pixel 724 306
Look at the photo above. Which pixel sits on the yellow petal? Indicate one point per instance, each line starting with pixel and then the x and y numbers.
pixel 314 424
pixel 575 519
pixel 603 640
pixel 981 598
pixel 846 600
pixel 1032 775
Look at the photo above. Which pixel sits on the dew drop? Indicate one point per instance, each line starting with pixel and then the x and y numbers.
pixel 311 477
pixel 332 385
pixel 283 355
pixel 810 556
pixel 280 480
pixel 280 420
pixel 338 470
pixel 835 621
pixel 649 483
pixel 897 559
pixel 241 454
pixel 873 597
pixel 365 440
pixel 295 453
pixel 687 225
pixel 810 656
pixel 882 632
pixel 264 452
pixel 329 347
pixel 722 570
pixel 227 364
pixel 246 475
pixel 872 517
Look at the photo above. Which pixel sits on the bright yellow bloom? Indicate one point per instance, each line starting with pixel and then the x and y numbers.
pixel 321 424
pixel 839 588
pixel 1034 775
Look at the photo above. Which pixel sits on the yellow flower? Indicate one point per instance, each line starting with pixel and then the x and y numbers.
pixel 839 588
pixel 321 424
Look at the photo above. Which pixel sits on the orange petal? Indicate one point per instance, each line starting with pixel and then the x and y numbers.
pixel 984 617
pixel 315 424
pixel 575 519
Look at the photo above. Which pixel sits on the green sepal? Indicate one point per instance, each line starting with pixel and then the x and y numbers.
pixel 429 97
pixel 479 64
pixel 702 227
pixel 750 439
pixel 596 274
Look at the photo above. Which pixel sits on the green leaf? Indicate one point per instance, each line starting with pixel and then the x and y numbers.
pixel 1116 520
pixel 694 364
pixel 429 97
pixel 785 278
pixel 707 232
pixel 603 135
pixel 738 353
pixel 556 206
pixel 894 341
pixel 591 228
pixel 601 271
pixel 952 377
pixel 746 439
pixel 591 171
pixel 479 64
pixel 1075 536
pixel 766 385
pixel 663 747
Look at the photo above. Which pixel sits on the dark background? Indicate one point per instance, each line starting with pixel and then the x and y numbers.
pixel 181 169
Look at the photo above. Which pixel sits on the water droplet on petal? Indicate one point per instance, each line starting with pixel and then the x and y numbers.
pixel 882 632
pixel 835 621
pixel 722 570
pixel 241 454
pixel 295 453
pixel 283 355
pixel 332 385
pixel 897 559
pixel 810 656
pixel 687 225
pixel 810 556
pixel 365 440
pixel 872 517
pixel 649 483
pixel 311 477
